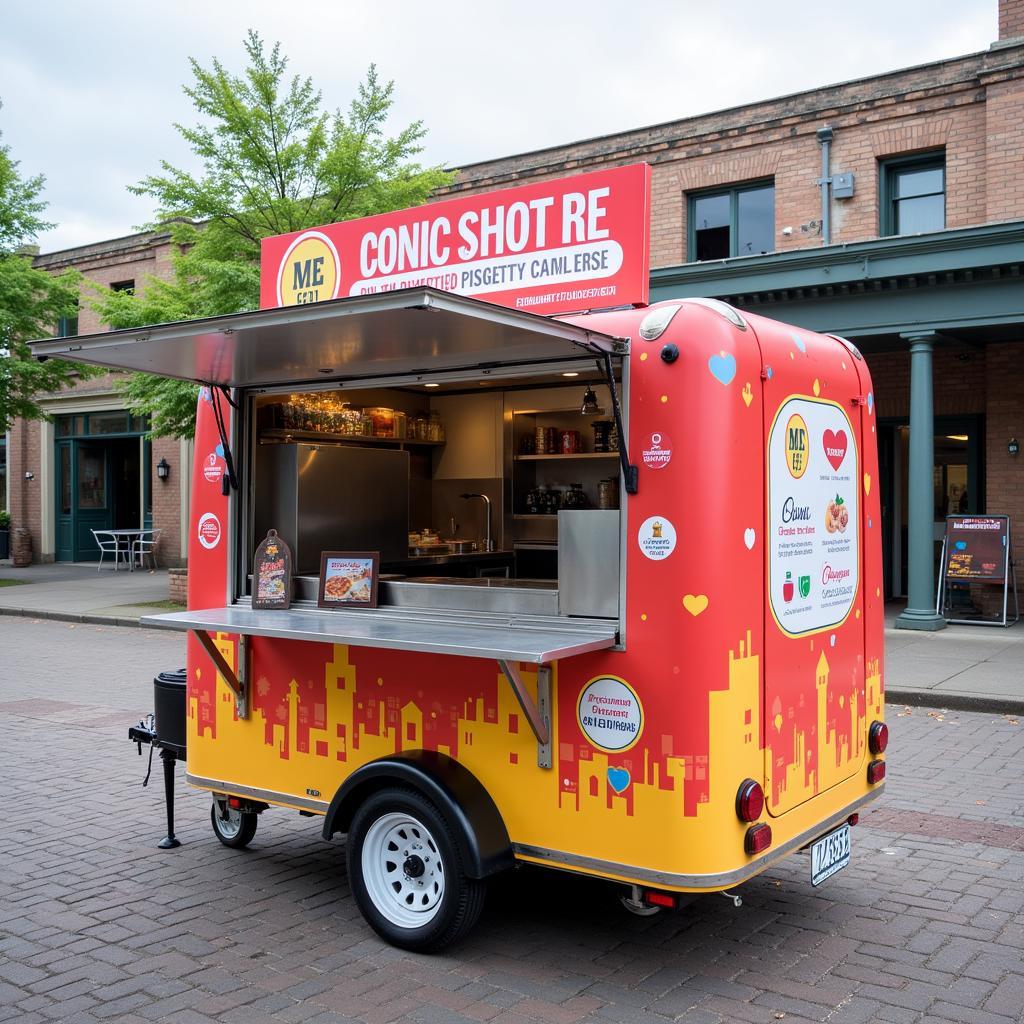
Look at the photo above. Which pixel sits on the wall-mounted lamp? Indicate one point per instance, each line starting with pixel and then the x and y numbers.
pixel 29 475
pixel 163 469
pixel 1013 446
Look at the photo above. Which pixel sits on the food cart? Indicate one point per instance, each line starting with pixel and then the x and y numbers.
pixel 672 693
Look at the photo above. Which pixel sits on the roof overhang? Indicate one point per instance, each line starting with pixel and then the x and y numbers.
pixel 412 331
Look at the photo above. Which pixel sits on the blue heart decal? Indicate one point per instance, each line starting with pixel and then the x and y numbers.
pixel 618 779
pixel 220 450
pixel 961 544
pixel 799 342
pixel 723 367
pixel 769 372
pixel 871 400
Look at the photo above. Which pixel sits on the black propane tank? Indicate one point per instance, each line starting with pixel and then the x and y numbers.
pixel 170 711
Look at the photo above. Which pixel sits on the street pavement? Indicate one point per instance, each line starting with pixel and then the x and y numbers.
pixel 97 924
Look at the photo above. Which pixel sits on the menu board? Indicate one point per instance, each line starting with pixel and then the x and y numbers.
pixel 977 547
pixel 813 516
pixel 348 579
pixel 272 573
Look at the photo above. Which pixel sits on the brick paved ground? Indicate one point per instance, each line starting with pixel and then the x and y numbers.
pixel 97 925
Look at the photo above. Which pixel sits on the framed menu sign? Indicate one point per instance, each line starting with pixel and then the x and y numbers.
pixel 977 547
pixel 975 554
pixel 348 579
pixel 272 573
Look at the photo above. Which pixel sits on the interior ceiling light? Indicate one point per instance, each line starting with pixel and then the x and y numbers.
pixel 571 373
pixel 590 406
pixel 431 385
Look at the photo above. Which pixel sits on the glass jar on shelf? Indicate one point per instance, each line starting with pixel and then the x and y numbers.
pixel 435 428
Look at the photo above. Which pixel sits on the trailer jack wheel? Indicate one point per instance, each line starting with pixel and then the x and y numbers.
pixel 636 904
pixel 234 828
pixel 406 874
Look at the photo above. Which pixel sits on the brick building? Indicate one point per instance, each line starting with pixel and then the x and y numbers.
pixel 92 467
pixel 889 210
pixel 912 248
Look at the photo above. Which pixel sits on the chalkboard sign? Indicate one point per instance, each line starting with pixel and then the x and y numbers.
pixel 272 573
pixel 977 548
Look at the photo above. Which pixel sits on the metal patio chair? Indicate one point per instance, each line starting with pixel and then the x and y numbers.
pixel 144 545
pixel 109 544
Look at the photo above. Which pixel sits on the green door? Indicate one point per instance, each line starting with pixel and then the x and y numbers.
pixel 65 488
pixel 92 498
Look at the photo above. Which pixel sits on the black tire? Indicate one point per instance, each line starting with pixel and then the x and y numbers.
pixel 461 898
pixel 234 833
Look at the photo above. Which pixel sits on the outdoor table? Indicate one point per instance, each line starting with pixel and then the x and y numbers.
pixel 128 537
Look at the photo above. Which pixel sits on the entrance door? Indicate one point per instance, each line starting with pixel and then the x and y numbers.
pixel 93 506
pixel 957 477
pixel 65 489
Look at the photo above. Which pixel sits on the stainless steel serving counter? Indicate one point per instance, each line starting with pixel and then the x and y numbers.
pixel 534 639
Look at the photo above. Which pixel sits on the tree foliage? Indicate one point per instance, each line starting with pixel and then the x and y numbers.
pixel 273 160
pixel 31 301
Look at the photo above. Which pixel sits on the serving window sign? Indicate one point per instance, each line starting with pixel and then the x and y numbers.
pixel 560 246
pixel 813 516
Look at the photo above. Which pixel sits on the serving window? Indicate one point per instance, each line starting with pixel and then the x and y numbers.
pixel 467 487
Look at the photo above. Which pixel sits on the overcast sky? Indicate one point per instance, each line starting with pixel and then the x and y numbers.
pixel 90 91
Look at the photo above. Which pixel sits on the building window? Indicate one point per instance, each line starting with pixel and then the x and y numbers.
pixel 123 286
pixel 913 196
pixel 739 221
pixel 67 326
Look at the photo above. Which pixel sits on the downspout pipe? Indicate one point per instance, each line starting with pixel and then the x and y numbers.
pixel 825 135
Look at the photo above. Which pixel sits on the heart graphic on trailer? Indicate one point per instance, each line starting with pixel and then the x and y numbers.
pixel 695 603
pixel 618 779
pixel 835 444
pixel 723 367
pixel 749 537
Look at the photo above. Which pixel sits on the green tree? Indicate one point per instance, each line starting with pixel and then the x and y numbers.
pixel 273 160
pixel 32 301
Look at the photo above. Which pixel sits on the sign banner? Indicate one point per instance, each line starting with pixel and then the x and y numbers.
pixel 559 246
pixel 977 548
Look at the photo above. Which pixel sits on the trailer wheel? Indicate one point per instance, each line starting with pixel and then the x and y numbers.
pixel 406 874
pixel 233 828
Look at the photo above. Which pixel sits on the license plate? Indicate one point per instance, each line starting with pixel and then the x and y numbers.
pixel 830 854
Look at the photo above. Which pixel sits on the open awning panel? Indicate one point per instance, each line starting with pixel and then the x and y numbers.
pixel 415 330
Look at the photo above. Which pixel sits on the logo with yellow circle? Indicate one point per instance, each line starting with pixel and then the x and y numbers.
pixel 797 448
pixel 310 271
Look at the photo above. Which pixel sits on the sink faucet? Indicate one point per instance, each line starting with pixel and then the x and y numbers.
pixel 488 538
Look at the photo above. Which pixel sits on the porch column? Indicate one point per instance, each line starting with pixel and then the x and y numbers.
pixel 920 610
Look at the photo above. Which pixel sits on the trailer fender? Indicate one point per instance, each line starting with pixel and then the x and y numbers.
pixel 458 794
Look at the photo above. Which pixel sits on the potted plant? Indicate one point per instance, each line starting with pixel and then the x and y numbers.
pixel 5 534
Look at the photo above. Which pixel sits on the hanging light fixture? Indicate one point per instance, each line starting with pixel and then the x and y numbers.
pixel 590 406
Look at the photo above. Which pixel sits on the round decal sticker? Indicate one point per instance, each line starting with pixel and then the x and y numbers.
pixel 310 271
pixel 657 537
pixel 657 450
pixel 796 446
pixel 209 530
pixel 610 714
pixel 211 469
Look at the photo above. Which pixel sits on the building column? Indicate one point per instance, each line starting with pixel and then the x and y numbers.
pixel 920 611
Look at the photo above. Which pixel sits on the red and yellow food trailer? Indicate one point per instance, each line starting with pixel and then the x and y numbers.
pixel 710 700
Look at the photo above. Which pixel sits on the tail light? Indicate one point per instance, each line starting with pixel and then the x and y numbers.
pixel 659 899
pixel 749 801
pixel 876 771
pixel 853 819
pixel 757 839
pixel 878 737
pixel 234 803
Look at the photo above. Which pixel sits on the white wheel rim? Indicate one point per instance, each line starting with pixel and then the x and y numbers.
pixel 402 870
pixel 228 826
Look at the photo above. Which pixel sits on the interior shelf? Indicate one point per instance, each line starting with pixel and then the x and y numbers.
pixel 560 455
pixel 315 436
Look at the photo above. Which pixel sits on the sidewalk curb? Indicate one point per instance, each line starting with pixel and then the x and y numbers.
pixel 955 701
pixel 92 620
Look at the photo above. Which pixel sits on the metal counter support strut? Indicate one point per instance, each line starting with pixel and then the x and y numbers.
pixel 537 714
pixel 239 682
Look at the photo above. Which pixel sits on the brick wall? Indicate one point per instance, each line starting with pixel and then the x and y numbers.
pixel 167 501
pixel 1005 419
pixel 1011 19
pixel 26 503
pixel 971 107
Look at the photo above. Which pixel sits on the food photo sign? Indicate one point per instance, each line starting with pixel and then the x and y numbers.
pixel 272 573
pixel 348 579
